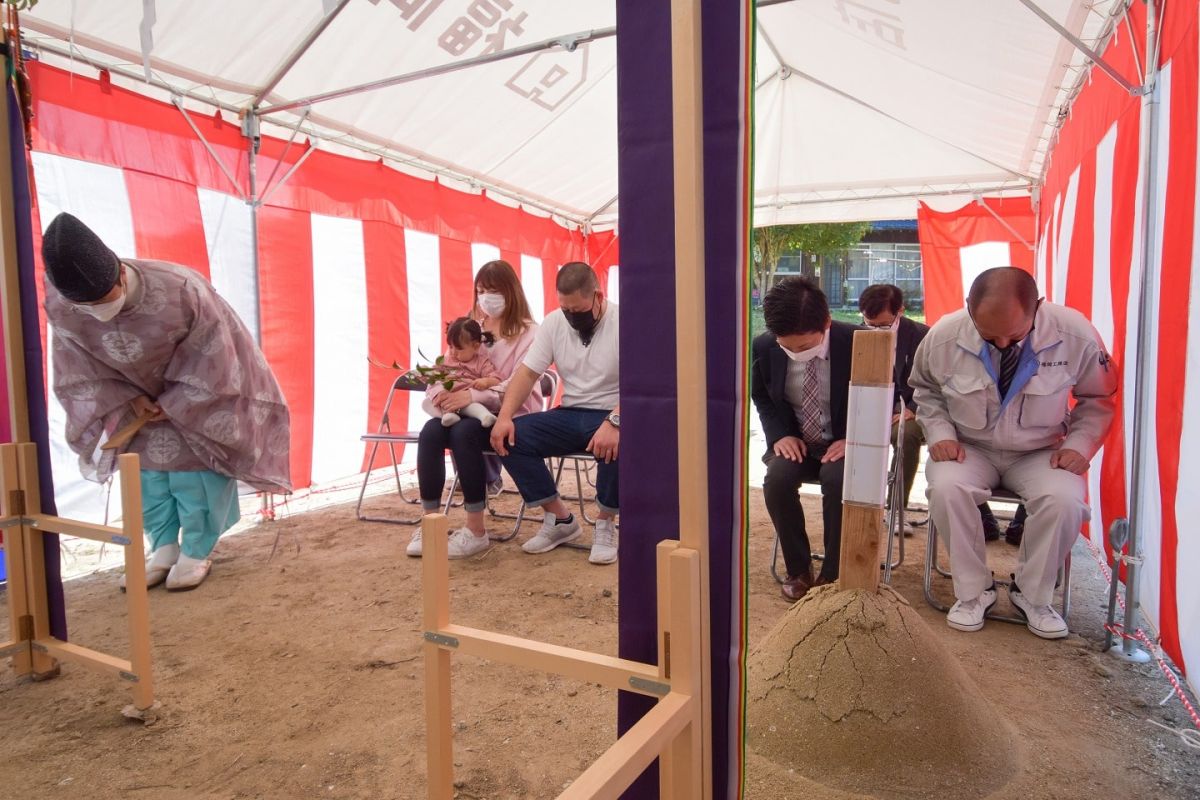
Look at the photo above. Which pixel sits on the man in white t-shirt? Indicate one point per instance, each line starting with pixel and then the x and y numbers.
pixel 581 339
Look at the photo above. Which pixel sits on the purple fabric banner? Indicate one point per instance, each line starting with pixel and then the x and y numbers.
pixel 649 478
pixel 35 387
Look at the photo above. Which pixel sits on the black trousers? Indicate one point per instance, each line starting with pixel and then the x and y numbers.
pixel 780 490
pixel 466 440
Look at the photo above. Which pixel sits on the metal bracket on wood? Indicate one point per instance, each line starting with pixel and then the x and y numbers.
pixel 441 639
pixel 646 685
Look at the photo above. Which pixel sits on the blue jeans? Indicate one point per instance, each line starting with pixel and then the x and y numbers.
pixel 558 432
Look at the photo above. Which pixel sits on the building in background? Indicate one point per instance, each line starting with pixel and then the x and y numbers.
pixel 889 253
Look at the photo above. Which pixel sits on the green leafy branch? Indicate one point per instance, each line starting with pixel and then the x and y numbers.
pixel 432 374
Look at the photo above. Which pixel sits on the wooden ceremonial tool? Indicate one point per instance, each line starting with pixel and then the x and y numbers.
pixel 868 434
pixel 123 436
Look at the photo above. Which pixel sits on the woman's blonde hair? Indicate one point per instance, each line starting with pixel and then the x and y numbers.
pixel 499 277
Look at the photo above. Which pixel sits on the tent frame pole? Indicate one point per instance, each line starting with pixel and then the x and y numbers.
pixel 208 147
pixel 568 42
pixel 1091 54
pixel 293 57
pixel 1148 150
pixel 250 129
pixel 1008 227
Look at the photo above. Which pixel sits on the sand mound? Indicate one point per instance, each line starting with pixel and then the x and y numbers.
pixel 852 691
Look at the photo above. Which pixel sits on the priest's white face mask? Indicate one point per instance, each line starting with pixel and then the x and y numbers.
pixel 107 310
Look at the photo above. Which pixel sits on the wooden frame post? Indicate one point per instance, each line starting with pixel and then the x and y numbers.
pixel 12 507
pixel 868 435
pixel 35 559
pixel 135 581
pixel 683 764
pixel 691 361
pixel 439 748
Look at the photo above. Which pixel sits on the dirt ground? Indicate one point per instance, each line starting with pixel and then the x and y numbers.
pixel 300 677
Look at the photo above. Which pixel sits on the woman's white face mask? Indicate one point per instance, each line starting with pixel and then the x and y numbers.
pixel 491 303
pixel 104 311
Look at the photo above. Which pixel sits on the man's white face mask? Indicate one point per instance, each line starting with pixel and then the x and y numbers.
pixel 104 311
pixel 809 354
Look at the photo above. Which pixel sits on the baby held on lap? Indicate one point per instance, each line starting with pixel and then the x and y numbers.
pixel 468 368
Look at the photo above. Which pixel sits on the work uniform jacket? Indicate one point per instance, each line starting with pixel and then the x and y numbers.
pixel 954 380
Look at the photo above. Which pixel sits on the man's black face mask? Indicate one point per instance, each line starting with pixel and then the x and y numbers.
pixel 583 321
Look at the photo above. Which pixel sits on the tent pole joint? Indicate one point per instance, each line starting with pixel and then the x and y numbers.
pixel 178 102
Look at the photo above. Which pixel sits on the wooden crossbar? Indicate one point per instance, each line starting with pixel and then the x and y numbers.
pixel 672 730
pixel 609 671
pixel 33 649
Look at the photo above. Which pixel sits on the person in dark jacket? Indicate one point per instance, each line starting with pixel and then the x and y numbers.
pixel 800 385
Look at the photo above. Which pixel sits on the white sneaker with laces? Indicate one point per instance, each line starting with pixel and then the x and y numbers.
pixel 604 542
pixel 188 573
pixel 968 615
pixel 1042 621
pixel 464 544
pixel 552 534
pixel 414 545
pixel 158 565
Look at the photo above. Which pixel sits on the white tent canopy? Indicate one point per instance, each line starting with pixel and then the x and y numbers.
pixel 862 108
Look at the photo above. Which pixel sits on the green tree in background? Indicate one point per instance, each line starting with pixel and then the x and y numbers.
pixel 822 238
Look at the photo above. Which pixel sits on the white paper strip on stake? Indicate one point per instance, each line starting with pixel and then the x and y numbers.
pixel 868 435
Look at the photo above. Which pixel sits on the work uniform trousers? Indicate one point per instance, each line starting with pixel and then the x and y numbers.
pixel 1053 497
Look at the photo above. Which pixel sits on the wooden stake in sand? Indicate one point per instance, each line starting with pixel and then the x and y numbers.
pixel 868 435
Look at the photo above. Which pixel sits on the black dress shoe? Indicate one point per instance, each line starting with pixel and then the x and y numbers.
pixel 1016 528
pixel 796 586
pixel 991 528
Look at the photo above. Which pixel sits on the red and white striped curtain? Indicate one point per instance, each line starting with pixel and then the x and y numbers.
pixel 1089 257
pixel 356 260
pixel 958 245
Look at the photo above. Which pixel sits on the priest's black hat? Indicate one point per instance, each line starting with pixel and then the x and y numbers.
pixel 78 263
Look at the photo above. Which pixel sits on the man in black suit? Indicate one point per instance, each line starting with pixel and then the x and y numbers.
pixel 882 308
pixel 800 385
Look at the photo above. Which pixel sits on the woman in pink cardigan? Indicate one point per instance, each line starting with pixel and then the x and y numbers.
pixel 501 309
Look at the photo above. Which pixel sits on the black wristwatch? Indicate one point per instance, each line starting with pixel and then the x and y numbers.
pixel 614 419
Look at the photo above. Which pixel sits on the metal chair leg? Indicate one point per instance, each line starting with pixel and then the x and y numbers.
pixel 358 512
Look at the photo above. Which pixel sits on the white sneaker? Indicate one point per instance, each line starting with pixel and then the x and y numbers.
pixel 464 544
pixel 552 534
pixel 1042 621
pixel 158 565
pixel 188 573
pixel 604 542
pixel 414 545
pixel 968 615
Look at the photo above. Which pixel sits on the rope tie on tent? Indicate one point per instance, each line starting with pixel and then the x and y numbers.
pixel 1191 738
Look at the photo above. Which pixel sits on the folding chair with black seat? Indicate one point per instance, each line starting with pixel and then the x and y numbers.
pixel 893 517
pixel 932 564
pixel 386 437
